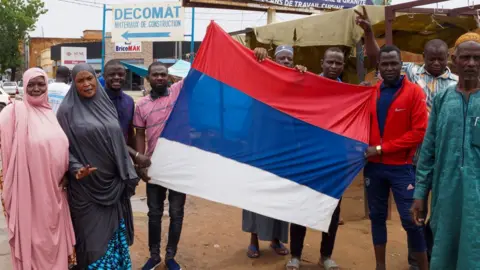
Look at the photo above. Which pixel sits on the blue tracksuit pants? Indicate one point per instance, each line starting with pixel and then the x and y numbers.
pixel 379 179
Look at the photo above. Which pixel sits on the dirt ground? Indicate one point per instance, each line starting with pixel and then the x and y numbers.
pixel 212 238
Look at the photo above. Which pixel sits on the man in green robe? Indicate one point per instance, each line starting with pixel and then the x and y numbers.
pixel 449 165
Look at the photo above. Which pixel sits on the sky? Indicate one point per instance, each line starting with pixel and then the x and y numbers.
pixel 68 18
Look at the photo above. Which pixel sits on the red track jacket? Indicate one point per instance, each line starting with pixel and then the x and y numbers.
pixel 405 125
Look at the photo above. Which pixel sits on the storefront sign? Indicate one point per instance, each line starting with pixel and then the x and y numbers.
pixel 70 56
pixel 132 47
pixel 148 22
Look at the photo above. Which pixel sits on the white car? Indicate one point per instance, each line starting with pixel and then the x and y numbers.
pixel 10 88
pixel 20 88
pixel 4 99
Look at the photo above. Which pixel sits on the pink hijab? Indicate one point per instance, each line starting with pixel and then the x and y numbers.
pixel 35 157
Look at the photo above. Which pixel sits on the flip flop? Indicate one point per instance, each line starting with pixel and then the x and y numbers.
pixel 293 264
pixel 253 252
pixel 280 249
pixel 329 264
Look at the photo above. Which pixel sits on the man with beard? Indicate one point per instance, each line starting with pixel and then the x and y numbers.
pixel 433 76
pixel 115 76
pixel 151 115
pixel 398 124
pixel 448 165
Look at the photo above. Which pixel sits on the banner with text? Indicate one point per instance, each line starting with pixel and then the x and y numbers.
pixel 319 4
pixel 148 22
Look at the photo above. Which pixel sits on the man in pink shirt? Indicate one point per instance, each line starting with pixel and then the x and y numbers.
pixel 149 120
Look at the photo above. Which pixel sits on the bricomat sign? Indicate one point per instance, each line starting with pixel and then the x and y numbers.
pixel 124 47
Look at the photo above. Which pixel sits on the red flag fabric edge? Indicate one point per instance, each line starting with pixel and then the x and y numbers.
pixel 338 107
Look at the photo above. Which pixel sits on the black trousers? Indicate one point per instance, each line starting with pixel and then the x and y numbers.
pixel 298 232
pixel 412 261
pixel 156 196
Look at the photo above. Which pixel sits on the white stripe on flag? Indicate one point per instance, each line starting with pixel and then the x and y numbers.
pixel 208 175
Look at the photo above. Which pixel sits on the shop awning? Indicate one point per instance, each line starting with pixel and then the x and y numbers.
pixel 179 69
pixel 140 70
pixel 336 28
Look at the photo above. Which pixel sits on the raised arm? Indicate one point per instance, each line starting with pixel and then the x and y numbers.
pixel 371 45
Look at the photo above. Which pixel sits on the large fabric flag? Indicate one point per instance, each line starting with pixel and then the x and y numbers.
pixel 261 136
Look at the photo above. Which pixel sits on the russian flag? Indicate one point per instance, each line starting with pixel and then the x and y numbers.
pixel 261 136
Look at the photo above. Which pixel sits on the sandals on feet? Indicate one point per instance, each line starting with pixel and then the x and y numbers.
pixel 280 249
pixel 329 264
pixel 293 264
pixel 253 252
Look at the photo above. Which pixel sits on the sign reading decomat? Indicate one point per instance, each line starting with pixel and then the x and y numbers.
pixel 148 22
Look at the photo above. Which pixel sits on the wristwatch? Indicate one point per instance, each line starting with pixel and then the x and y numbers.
pixel 379 149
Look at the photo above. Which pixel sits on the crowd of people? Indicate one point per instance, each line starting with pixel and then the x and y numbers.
pixel 73 153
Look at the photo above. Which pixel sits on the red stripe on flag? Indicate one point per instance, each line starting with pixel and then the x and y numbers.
pixel 338 107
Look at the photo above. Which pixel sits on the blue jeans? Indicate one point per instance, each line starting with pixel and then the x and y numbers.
pixel 379 179
pixel 155 200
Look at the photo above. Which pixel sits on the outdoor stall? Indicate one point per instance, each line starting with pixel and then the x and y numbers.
pixel 312 35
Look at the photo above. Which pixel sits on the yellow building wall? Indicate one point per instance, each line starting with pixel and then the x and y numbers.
pixel 47 63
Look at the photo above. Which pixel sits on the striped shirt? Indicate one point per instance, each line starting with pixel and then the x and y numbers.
pixel 429 83
pixel 152 114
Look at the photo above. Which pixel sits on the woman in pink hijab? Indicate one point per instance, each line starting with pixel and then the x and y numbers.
pixel 35 158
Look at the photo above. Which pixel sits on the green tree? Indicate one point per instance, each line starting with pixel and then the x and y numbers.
pixel 17 19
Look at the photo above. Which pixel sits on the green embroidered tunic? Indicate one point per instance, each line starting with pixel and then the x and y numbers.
pixel 449 165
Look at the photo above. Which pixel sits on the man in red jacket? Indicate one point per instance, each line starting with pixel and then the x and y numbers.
pixel 398 124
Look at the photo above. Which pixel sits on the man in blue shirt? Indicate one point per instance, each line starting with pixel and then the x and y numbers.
pixel 115 76
pixel 101 80
pixel 333 63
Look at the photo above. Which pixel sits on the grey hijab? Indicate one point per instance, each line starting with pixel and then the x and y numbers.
pixel 101 200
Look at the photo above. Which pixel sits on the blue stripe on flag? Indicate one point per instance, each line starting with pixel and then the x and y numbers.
pixel 217 118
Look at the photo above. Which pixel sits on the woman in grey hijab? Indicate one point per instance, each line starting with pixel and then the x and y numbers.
pixel 102 176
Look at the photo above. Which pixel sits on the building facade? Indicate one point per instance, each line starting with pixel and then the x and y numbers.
pixel 135 53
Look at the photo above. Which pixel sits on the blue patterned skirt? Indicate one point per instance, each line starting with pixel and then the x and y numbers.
pixel 117 256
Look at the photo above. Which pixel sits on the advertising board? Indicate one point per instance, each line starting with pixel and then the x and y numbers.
pixel 148 22
pixel 70 56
